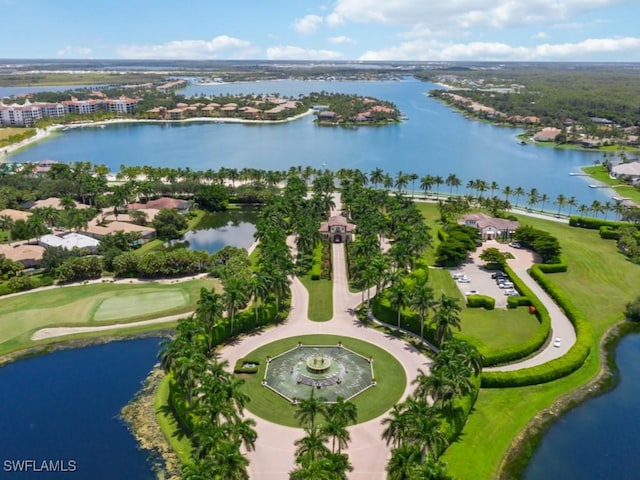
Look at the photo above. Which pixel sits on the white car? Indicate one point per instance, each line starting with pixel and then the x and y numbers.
pixel 511 292
pixel 457 276
pixel 557 342
pixel 464 280
pixel 472 292
pixel 506 285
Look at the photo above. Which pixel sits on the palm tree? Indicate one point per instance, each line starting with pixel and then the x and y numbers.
pixel 421 300
pixel 493 186
pixel 396 425
pixel 402 180
pixel 572 202
pixel 544 198
pixel 534 197
pixel 235 296
pixel 209 310
pixel 426 183
pixel 561 201
pixel 399 297
pixel 339 416
pixel 404 463
pixel 507 191
pixel 312 446
pixel 438 181
pixel 229 463
pixel 518 192
pixel 413 177
pixel 387 181
pixel 308 409
pixel 376 176
pixel 452 181
pixel 446 317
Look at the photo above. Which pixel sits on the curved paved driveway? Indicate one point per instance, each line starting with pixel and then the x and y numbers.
pixel 273 457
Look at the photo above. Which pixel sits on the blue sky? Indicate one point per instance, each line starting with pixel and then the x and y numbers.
pixel 427 30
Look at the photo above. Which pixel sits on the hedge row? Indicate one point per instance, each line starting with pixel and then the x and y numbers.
pixel 525 349
pixel 611 233
pixel 481 301
pixel 594 223
pixel 559 367
pixel 240 368
pixel 552 267
pixel 316 266
pixel 518 301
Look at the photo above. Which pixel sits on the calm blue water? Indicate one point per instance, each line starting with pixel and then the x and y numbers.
pixel 435 140
pixel 598 439
pixel 65 406
pixel 234 228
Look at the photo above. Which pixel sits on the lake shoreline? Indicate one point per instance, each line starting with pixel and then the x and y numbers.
pixel 518 456
pixel 42 133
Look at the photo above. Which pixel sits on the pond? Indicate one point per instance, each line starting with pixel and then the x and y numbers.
pixel 234 227
pixel 65 406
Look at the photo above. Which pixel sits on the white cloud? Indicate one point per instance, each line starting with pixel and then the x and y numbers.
pixel 464 14
pixel 341 40
pixel 221 46
pixel 334 20
pixel 298 53
pixel 74 51
pixel 540 36
pixel 307 24
pixel 435 50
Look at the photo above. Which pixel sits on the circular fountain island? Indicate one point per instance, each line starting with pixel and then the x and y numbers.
pixel 329 371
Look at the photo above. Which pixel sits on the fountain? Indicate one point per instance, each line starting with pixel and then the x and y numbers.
pixel 336 370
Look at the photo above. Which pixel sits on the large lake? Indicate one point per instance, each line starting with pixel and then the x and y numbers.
pixel 435 140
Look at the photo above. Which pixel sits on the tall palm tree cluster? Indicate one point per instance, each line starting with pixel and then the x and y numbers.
pixel 420 428
pixel 319 453
pixel 382 218
pixel 206 399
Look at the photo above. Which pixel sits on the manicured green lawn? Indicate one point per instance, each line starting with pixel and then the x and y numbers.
pixel 600 173
pixel 320 298
pixel 180 443
pixel 372 403
pixel 497 329
pixel 151 303
pixel 76 306
pixel 600 282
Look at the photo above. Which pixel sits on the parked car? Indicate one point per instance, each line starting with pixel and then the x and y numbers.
pixel 506 285
pixel 496 275
pixel 557 342
pixel 515 245
pixel 511 292
pixel 472 292
pixel 456 276
pixel 464 280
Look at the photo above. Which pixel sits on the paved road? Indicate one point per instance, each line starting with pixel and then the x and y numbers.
pixel 273 457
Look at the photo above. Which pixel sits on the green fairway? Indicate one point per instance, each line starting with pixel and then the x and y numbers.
pixel 599 282
pixel 141 302
pixel 82 306
pixel 389 374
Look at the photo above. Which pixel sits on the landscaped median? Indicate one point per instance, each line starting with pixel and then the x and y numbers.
pixel 558 367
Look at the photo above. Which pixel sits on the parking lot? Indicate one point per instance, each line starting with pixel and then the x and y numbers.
pixel 479 279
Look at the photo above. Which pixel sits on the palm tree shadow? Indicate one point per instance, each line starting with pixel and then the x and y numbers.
pixel 180 431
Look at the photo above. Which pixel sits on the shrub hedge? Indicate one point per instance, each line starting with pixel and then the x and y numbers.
pixel 481 301
pixel 559 367
pixel 594 223
pixel 240 368
pixel 518 301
